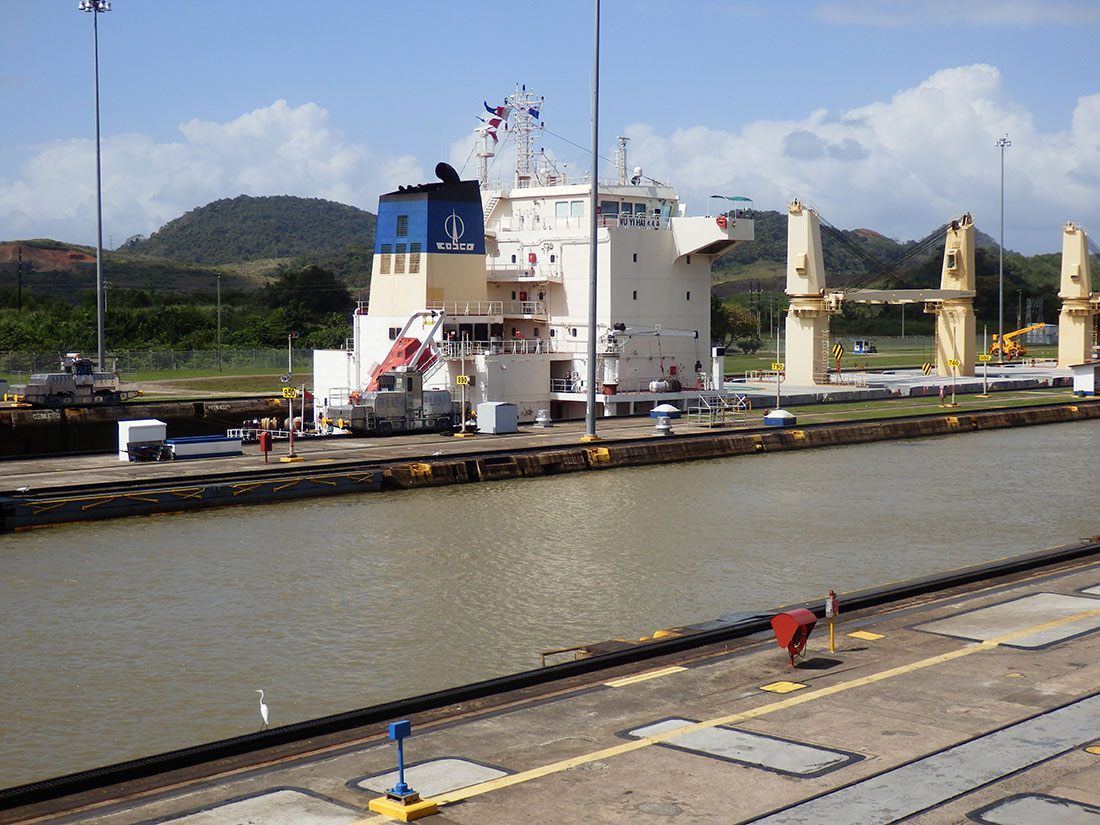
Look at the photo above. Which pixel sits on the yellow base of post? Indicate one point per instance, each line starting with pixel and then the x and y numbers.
pixel 590 438
pixel 464 435
pixel 286 459
pixel 405 812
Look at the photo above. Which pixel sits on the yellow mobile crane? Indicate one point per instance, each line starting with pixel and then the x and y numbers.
pixel 1011 348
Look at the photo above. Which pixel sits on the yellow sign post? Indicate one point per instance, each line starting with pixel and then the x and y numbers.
pixel 290 392
pixel 954 364
pixel 985 358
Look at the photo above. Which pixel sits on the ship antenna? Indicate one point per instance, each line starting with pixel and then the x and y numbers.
pixel 620 159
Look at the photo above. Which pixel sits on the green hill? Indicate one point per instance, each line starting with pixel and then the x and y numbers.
pixel 245 228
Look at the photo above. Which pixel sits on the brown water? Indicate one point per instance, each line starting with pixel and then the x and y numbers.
pixel 132 637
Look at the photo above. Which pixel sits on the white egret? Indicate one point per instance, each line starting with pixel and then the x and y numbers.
pixel 263 710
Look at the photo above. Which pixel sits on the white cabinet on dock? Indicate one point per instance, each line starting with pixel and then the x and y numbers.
pixel 139 433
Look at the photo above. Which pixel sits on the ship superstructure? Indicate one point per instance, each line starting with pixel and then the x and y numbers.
pixel 491 282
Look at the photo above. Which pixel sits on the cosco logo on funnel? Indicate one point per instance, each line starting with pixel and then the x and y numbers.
pixel 454 228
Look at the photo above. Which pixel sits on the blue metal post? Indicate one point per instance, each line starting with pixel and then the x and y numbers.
pixel 401 787
pixel 398 731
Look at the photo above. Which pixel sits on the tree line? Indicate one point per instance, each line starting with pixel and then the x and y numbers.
pixel 312 302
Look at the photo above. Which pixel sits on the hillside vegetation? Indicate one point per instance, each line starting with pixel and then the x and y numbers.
pixel 286 264
pixel 247 228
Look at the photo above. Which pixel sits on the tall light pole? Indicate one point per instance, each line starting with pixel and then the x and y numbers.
pixel 97 7
pixel 1003 143
pixel 590 406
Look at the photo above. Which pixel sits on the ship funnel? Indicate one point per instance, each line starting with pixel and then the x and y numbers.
pixel 446 173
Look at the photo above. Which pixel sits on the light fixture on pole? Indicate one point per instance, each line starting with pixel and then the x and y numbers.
pixel 97 7
pixel 1003 143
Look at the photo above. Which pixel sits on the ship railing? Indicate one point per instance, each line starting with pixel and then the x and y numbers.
pixel 849 379
pixel 467 308
pixel 712 409
pixel 552 179
pixel 524 308
pixel 513 273
pixel 568 384
pixel 249 435
pixel 361 307
pixel 453 350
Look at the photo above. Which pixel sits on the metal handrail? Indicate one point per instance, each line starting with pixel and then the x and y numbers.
pixel 464 308
pixel 452 350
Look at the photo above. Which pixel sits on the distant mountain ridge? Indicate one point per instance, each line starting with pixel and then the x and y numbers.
pixel 247 228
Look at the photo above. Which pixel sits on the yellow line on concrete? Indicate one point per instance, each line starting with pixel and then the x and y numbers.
pixel 642 677
pixel 742 716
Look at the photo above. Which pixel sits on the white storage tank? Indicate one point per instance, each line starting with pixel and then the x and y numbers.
pixel 497 417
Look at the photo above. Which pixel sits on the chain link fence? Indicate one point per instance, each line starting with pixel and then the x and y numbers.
pixel 22 364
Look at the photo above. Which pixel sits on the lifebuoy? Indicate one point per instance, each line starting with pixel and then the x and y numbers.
pixel 721 221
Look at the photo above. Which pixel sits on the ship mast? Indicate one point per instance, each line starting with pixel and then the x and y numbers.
pixel 524 125
pixel 484 152
pixel 620 159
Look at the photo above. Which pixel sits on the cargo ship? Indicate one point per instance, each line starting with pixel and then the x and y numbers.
pixel 483 287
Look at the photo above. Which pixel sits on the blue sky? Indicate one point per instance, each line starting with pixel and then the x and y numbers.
pixel 880 114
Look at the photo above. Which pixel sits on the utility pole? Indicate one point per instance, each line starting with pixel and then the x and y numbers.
pixel 19 279
pixel 1002 143
pixel 219 323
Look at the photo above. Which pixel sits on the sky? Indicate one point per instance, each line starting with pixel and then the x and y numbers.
pixel 881 114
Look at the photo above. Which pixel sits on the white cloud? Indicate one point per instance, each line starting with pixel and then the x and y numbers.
pixel 902 166
pixel 973 12
pixel 275 150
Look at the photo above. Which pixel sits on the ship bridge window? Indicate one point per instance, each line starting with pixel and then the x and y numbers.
pixel 402 225
pixel 561 209
pixel 609 208
pixel 576 209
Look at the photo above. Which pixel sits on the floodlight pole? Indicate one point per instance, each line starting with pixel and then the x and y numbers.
pixel 1003 143
pixel 97 7
pixel 590 406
